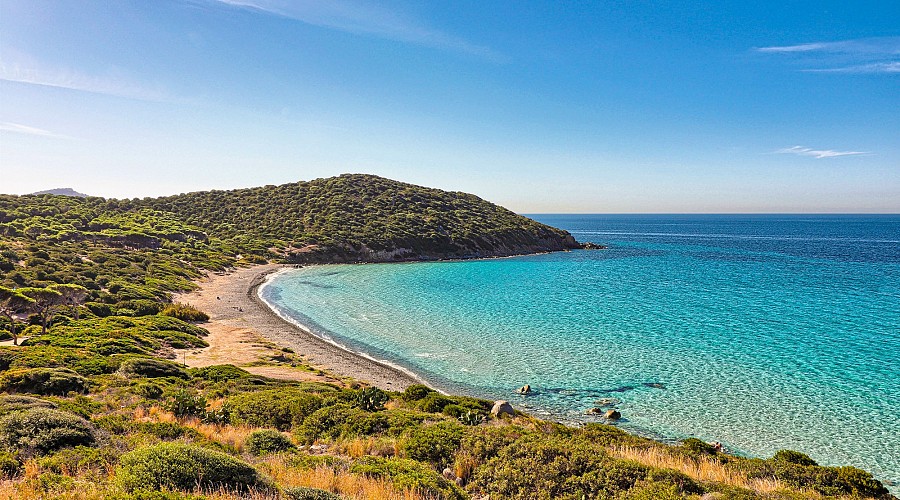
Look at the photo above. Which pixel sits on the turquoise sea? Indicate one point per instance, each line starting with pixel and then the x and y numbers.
pixel 760 331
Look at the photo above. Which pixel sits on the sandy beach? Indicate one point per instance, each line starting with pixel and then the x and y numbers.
pixel 243 331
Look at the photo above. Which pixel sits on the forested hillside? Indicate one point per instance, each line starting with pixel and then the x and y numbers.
pixel 363 217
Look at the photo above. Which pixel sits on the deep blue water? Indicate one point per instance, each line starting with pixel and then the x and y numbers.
pixel 766 331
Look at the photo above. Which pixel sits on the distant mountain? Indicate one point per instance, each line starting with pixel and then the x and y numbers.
pixel 63 192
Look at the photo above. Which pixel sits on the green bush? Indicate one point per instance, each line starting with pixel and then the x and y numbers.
pixel 58 381
pixel 793 457
pixel 680 481
pixel 148 390
pixel 140 307
pixel 151 368
pixel 219 373
pixel 9 465
pixel 267 441
pixel 80 461
pixel 186 402
pixel 340 420
pixel 41 430
pixel 408 474
pixel 831 481
pixel 694 446
pixel 370 399
pixel 434 444
pixel 416 392
pixel 278 408
pixel 303 493
pixel 184 312
pixel 434 402
pixel 185 467
pixel 542 466
pixel 11 403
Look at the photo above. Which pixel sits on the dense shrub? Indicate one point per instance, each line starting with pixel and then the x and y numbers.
pixel 340 420
pixel 608 435
pixel 58 381
pixel 303 493
pixel 184 312
pixel 416 392
pixel 370 399
pixel 9 465
pixel 41 430
pixel 148 390
pixel 79 461
pixel 834 481
pixel 219 373
pixel 434 402
pixel 694 446
pixel 680 481
pixel 185 467
pixel 11 403
pixel 279 408
pixel 540 466
pixel 793 457
pixel 186 402
pixel 151 368
pixel 408 474
pixel 267 441
pixel 434 444
pixel 140 307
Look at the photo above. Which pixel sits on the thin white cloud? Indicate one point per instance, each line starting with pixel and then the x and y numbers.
pixel 883 46
pixel 18 128
pixel 28 72
pixel 887 67
pixel 864 55
pixel 353 16
pixel 819 153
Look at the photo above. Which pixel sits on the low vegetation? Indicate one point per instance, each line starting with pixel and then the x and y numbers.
pixel 94 406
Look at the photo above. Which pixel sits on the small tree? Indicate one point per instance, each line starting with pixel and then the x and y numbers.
pixel 72 295
pixel 13 302
pixel 46 303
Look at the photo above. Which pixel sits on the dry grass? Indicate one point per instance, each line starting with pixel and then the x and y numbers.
pixel 359 447
pixel 701 469
pixel 335 480
pixel 229 435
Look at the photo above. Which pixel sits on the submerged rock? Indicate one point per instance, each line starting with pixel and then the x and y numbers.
pixel 654 385
pixel 501 407
pixel 606 402
pixel 621 388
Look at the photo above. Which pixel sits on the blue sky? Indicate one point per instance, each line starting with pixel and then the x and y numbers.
pixel 539 106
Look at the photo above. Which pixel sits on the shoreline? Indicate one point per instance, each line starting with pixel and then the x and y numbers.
pixel 241 322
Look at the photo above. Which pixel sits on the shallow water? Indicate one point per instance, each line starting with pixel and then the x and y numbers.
pixel 762 332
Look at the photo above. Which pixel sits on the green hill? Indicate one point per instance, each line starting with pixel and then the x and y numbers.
pixel 357 217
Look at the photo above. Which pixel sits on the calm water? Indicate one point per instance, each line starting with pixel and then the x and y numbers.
pixel 766 332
